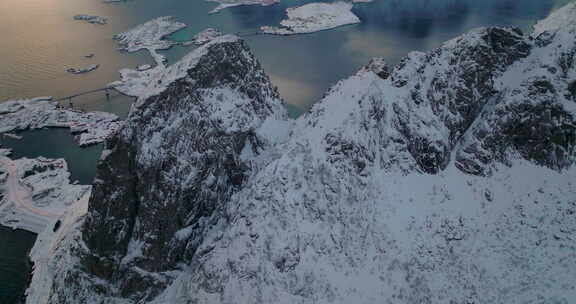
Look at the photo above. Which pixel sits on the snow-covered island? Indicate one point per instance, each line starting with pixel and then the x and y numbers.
pixel 143 67
pixel 35 192
pixel 91 19
pixel 150 36
pixel 222 4
pixel 145 80
pixel 90 127
pixel 203 37
pixel 206 36
pixel 146 83
pixel 448 178
pixel 87 69
pixel 314 17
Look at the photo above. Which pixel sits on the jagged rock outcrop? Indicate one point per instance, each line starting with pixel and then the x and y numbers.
pixel 177 163
pixel 533 114
pixel 446 179
pixel 182 154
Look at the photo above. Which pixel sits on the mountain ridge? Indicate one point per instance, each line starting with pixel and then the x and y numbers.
pixel 446 178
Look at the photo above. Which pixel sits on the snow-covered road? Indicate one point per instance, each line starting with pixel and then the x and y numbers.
pixel 36 192
pixel 19 194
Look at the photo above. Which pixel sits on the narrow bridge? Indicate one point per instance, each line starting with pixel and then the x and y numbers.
pixel 107 91
pixel 248 33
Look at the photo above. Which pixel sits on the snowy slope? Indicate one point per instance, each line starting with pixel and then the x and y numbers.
pixel 47 250
pixel 346 216
pixel 448 178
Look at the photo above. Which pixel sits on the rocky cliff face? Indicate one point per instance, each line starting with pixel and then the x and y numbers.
pixel 175 165
pixel 446 179
pixel 181 156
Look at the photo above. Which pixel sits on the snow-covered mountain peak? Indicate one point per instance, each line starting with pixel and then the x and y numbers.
pixel 209 122
pixel 448 178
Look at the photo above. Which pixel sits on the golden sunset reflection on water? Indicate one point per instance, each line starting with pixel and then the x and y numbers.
pixel 40 40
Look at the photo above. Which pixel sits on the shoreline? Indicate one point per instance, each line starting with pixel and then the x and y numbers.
pixel 38 113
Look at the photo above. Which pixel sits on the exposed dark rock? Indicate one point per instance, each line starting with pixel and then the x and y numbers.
pixel 196 204
pixel 572 90
pixel 149 194
pixel 379 67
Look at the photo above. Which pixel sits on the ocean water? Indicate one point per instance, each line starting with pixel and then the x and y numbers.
pixel 14 267
pixel 40 40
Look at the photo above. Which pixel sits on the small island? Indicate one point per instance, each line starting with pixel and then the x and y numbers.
pixel 91 19
pixel 87 69
pixel 222 4
pixel 150 36
pixel 143 67
pixel 314 17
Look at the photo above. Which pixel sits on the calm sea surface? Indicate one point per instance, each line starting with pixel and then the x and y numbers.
pixel 40 40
